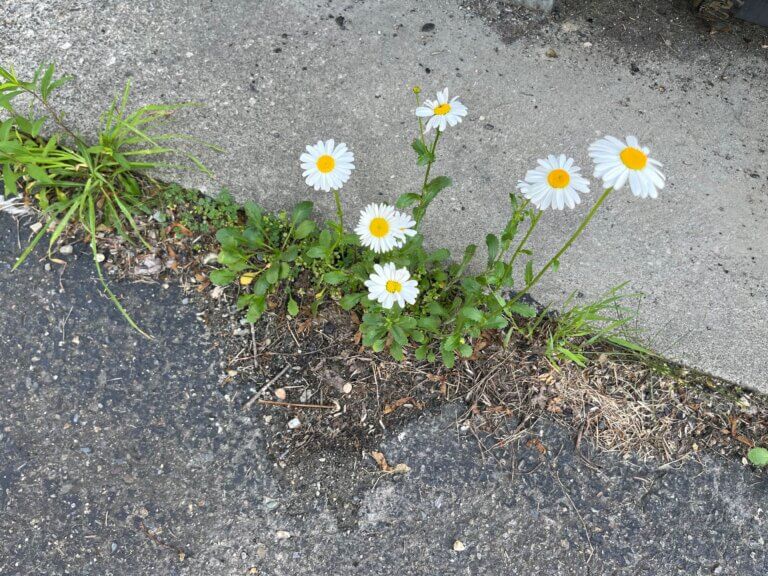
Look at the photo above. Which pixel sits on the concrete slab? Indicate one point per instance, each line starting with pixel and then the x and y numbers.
pixel 276 75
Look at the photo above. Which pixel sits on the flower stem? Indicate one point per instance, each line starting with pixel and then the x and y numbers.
pixel 420 211
pixel 339 211
pixel 562 250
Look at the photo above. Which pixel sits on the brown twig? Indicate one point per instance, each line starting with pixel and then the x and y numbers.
pixel 255 397
pixel 295 405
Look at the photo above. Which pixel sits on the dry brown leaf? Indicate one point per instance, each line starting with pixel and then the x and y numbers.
pixel 389 408
pixel 381 462
pixel 536 443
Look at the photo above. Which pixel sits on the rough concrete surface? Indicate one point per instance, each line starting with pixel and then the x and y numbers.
pixel 127 457
pixel 274 76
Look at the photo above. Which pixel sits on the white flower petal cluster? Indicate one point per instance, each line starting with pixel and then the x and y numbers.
pixel 617 163
pixel 556 182
pixel 442 112
pixel 382 228
pixel 327 165
pixel 388 284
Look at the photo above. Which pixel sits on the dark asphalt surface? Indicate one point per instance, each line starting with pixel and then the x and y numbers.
pixel 120 455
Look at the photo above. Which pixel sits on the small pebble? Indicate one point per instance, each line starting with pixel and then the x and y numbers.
pixel 282 535
pixel 66 249
pixel 347 388
pixel 459 546
pixel 294 423
pixel 280 393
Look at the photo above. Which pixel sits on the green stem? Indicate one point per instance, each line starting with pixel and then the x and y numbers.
pixel 422 206
pixel 521 245
pixel 340 216
pixel 339 212
pixel 562 250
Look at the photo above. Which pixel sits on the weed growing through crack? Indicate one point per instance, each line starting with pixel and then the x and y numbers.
pixel 74 182
pixel 416 299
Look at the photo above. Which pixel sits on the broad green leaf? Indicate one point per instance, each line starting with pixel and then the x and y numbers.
pixel 253 213
pixel 304 229
pixel 256 309
pixel 435 186
pixel 528 272
pixel 349 301
pixel 396 350
pixel 222 277
pixel 472 313
pixel 758 456
pixel 293 307
pixel 448 357
pixel 492 242
pixel 439 255
pixel 316 252
pixel 522 309
pixel 334 277
pixel 272 274
pixel 301 212
pixel 406 200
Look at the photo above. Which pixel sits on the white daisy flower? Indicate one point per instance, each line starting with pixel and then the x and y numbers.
pixel 388 285
pixel 326 165
pixel 382 228
pixel 617 162
pixel 556 182
pixel 442 112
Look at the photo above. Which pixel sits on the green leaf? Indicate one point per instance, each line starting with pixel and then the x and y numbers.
pixel 495 323
pixel 492 242
pixel 396 351
pixel 229 237
pixel 316 252
pixel 421 352
pixel 758 456
pixel 528 272
pixel 301 212
pixel 378 345
pixel 349 301
pixel 304 229
pixel 334 277
pixel 293 307
pixel 522 309
pixel 555 265
pixel 272 274
pixel 253 213
pixel 9 181
pixel 425 156
pixel 439 255
pixel 399 335
pixel 449 358
pixel 406 200
pixel 431 323
pixel 222 277
pixel 435 186
pixel 469 253
pixel 472 313
pixel 256 309
pixel 465 350
pixel 326 238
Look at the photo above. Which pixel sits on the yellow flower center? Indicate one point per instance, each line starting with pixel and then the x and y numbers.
pixel 633 158
pixel 393 286
pixel 325 163
pixel 558 178
pixel 379 227
pixel 443 109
